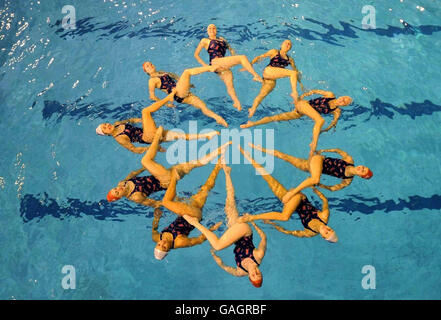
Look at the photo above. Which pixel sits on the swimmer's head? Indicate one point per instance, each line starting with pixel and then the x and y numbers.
pixel 344 101
pixel 363 172
pixel 148 67
pixel 286 45
pixel 162 248
pixel 115 194
pixel 255 275
pixel 328 234
pixel 211 30
pixel 105 129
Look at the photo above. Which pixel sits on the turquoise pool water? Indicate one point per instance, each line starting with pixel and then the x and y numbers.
pixel 57 85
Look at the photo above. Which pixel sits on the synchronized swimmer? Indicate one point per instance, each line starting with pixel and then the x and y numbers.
pixel 217 49
pixel 167 82
pixel 239 230
pixel 248 257
pixel 276 69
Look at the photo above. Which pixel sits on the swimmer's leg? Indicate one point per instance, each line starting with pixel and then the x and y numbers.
pixel 299 163
pixel 228 62
pixel 180 208
pixel 148 124
pixel 277 73
pixel 148 161
pixel 286 116
pixel 199 199
pixel 227 78
pixel 183 84
pixel 267 87
pixel 316 167
pixel 230 203
pixel 276 187
pixel 305 108
pixel 184 168
pixel 170 135
pixel 199 104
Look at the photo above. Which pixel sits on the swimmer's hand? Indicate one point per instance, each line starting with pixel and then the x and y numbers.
pixel 157 213
pixel 269 222
pixel 161 149
pixel 191 220
pixel 216 226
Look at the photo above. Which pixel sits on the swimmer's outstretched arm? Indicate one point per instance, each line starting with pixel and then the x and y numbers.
pixel 296 233
pixel 326 94
pixel 131 120
pixel 220 263
pixel 157 216
pixel 267 54
pixel 345 156
pixel 124 141
pixel 134 174
pixel 337 113
pixel 336 187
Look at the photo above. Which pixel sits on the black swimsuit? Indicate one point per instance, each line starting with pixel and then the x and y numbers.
pixel 168 84
pixel 278 61
pixel 321 105
pixel 244 249
pixel 178 227
pixel 307 212
pixel 146 185
pixel 217 49
pixel 335 167
pixel 134 133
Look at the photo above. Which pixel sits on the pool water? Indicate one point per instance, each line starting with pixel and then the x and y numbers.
pixel 57 85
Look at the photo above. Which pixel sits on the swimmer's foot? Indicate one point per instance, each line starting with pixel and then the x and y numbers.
pixel 237 105
pixel 294 96
pixel 246 125
pixel 212 134
pixel 222 122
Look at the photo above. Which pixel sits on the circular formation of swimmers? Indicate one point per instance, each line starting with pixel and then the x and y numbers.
pixel 189 211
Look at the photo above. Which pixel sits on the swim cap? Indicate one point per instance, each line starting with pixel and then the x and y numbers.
pixel 111 197
pixel 333 238
pixel 257 283
pixel 368 175
pixel 159 254
pixel 99 131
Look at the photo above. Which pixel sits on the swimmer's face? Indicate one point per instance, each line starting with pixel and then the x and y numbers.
pixel 344 101
pixel 148 67
pixel 107 128
pixel 117 192
pixel 361 170
pixel 163 245
pixel 254 273
pixel 212 30
pixel 286 45
pixel 327 232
